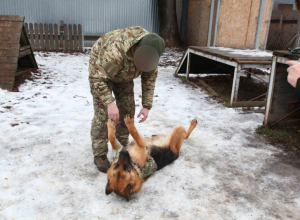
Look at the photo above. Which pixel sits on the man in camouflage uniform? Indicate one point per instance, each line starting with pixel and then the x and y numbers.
pixel 116 59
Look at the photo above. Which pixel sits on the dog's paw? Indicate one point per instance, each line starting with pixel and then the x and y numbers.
pixel 111 124
pixel 129 120
pixel 194 122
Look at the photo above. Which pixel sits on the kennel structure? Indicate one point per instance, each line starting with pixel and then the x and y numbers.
pixel 229 23
pixel 283 104
pixel 15 49
pixel 214 60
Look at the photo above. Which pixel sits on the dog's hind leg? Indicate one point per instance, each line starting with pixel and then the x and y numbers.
pixel 178 135
pixel 112 135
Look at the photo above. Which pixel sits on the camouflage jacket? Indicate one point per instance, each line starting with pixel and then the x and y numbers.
pixel 111 59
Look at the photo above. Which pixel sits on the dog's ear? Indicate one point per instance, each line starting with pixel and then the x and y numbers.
pixel 108 188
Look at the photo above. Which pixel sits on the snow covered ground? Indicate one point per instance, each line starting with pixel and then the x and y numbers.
pixel 225 170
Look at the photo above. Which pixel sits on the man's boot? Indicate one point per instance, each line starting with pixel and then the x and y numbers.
pixel 102 163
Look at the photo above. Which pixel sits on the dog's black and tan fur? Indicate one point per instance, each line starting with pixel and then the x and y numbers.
pixel 123 177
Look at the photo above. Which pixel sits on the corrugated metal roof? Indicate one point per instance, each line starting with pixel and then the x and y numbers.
pixel 96 16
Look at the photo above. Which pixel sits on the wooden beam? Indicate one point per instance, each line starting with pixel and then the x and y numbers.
pixel 212 92
pixel 25 52
pixel 249 104
pixel 24 48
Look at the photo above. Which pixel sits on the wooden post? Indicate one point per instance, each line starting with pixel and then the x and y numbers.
pixel 36 30
pixel 80 38
pixel 235 85
pixel 51 38
pixel 42 37
pixel 75 38
pixel 66 38
pixel 188 65
pixel 31 37
pixel 270 90
pixel 56 37
pixel 61 34
pixel 71 38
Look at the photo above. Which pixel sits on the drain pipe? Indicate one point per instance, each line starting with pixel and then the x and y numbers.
pixel 211 17
pixel 217 22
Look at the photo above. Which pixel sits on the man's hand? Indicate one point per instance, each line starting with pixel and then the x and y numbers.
pixel 294 72
pixel 143 112
pixel 113 111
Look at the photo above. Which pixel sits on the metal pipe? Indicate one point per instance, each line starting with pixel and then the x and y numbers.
pixel 217 22
pixel 211 17
pixel 259 23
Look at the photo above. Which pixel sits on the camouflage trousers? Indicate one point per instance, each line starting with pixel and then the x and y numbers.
pixel 124 96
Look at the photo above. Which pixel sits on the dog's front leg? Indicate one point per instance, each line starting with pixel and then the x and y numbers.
pixel 112 135
pixel 139 140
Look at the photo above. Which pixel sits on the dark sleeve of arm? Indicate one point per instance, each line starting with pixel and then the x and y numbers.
pixel 148 85
pixel 298 88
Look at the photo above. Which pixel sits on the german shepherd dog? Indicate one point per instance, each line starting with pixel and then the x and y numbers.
pixel 124 175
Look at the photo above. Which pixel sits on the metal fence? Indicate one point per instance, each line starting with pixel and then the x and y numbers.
pixel 284 25
pixel 96 16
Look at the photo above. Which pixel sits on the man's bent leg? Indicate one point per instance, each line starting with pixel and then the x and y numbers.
pixel 125 101
pixel 99 136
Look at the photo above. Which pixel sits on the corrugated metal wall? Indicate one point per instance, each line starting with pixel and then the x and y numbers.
pixel 96 16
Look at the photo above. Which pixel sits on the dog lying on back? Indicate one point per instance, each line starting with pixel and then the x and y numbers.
pixel 141 157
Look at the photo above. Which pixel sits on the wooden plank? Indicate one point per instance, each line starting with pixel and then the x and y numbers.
pixel 248 103
pixel 9 67
pixel 41 36
pixel 26 28
pixel 51 38
pixel 20 73
pixel 24 37
pixel 31 37
pixel 9 46
pixel 66 39
pixel 70 39
pixel 6 87
pixel 9 52
pixel 5 59
pixel 46 38
pixel 75 38
pixel 10 29
pixel 212 92
pixel 10 24
pixel 80 38
pixel 12 18
pixel 9 79
pixel 253 62
pixel 56 38
pixel 24 53
pixel 37 43
pixel 61 34
pixel 9 39
pixel 25 47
